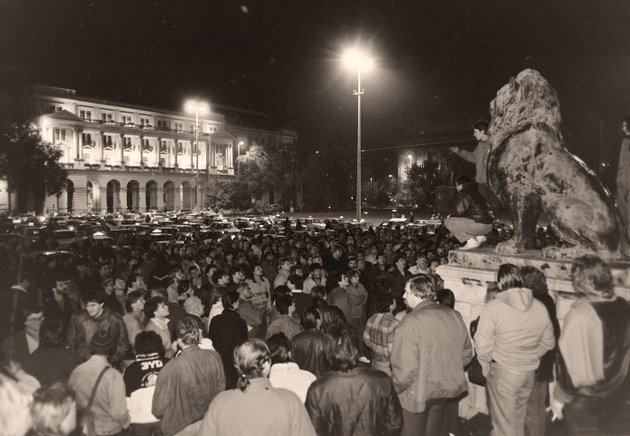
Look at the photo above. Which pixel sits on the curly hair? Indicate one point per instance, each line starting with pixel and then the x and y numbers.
pixel 188 331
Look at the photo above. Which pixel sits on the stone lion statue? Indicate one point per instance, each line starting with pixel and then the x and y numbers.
pixel 531 172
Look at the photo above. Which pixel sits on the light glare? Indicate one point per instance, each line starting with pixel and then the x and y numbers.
pixel 354 58
pixel 192 106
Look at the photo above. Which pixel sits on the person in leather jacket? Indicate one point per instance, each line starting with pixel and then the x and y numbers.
pixel 470 222
pixel 351 399
pixel 307 348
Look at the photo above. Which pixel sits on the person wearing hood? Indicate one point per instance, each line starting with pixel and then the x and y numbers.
pixel 514 332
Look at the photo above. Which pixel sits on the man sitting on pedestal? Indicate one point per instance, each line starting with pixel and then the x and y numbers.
pixel 470 222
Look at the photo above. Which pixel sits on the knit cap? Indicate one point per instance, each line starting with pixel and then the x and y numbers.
pixel 103 342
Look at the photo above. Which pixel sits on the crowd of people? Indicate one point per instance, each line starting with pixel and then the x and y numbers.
pixel 345 332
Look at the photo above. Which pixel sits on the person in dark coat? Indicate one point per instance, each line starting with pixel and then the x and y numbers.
pixel 226 331
pixel 307 348
pixel 329 314
pixel 470 222
pixel 351 399
pixel 13 305
pixel 62 301
pixel 52 361
pixel 398 278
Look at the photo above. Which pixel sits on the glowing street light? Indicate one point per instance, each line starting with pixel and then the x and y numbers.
pixel 197 108
pixel 358 61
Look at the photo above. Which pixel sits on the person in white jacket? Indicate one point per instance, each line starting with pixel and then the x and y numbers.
pixel 514 332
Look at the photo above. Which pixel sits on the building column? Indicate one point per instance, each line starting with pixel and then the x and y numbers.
pixel 78 141
pixel 79 199
pixel 102 150
pixel 160 197
pixel 230 155
pixel 142 199
pixel 100 201
pixel 141 151
pixel 176 144
pixel 122 199
pixel 178 192
pixel 122 151
pixel 157 152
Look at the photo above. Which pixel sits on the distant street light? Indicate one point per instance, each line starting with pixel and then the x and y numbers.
pixel 197 108
pixel 358 60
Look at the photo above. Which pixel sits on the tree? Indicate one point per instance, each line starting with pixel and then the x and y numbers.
pixel 262 170
pixel 285 175
pixel 255 171
pixel 31 167
pixel 380 193
pixel 418 190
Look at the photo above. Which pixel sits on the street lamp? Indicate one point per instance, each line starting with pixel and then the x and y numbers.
pixel 197 108
pixel 358 60
pixel 238 154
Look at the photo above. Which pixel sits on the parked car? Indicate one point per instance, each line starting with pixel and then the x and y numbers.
pixel 314 223
pixel 65 237
pixel 225 227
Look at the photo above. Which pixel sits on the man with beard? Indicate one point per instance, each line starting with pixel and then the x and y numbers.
pixel 62 301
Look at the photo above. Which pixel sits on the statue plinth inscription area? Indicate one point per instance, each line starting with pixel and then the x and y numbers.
pixel 468 273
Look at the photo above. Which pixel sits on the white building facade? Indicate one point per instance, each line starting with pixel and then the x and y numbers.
pixel 131 158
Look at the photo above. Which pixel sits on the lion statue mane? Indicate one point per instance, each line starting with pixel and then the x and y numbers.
pixel 530 171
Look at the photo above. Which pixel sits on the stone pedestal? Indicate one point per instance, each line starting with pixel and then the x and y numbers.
pixel 468 273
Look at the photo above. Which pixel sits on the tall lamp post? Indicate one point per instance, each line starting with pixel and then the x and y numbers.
pixel 197 108
pixel 358 60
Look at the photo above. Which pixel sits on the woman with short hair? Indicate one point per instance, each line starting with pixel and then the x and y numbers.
pixel 256 407
pixel 352 400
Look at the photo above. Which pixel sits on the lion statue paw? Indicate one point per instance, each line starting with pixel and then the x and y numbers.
pixel 509 247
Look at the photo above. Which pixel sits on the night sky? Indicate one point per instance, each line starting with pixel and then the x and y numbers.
pixel 442 61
